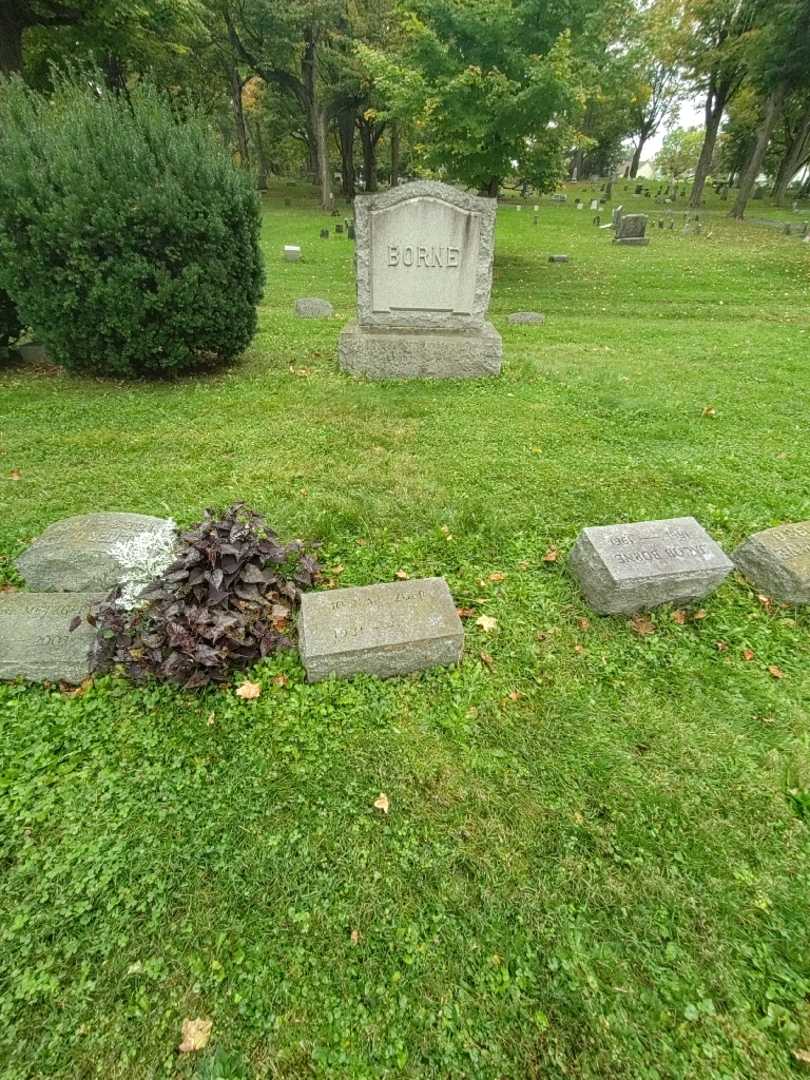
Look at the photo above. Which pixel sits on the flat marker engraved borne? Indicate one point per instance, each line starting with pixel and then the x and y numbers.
pixel 627 568
pixel 383 630
pixel 35 642
pixel 777 562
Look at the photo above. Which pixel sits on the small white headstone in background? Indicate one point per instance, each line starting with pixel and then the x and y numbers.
pixel 292 252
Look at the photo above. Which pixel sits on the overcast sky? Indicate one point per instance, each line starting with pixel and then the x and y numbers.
pixel 691 115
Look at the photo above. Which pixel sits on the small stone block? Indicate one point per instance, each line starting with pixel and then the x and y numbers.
pixel 324 234
pixel 627 568
pixel 292 252
pixel 311 307
pixel 558 258
pixel 777 562
pixel 35 642
pixel 426 354
pixel 526 318
pixel 80 554
pixel 383 630
pixel 632 241
pixel 338 228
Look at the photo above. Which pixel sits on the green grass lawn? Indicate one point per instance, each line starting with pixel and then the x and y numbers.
pixel 593 865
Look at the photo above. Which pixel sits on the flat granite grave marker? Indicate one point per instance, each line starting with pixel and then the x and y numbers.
pixel 35 640
pixel 627 568
pixel 424 275
pixel 312 307
pixel 89 553
pixel 526 318
pixel 383 630
pixel 777 562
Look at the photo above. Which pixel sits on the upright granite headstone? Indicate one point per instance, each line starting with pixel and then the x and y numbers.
pixel 35 640
pixel 424 274
pixel 777 562
pixel 630 230
pixel 383 630
pixel 627 568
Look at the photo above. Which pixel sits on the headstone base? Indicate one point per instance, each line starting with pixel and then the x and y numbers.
pixel 35 640
pixel 632 241
pixel 420 354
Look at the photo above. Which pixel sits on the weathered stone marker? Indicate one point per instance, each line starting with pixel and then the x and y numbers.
pixel 383 630
pixel 526 318
pixel 311 307
pixel 292 252
pixel 87 553
pixel 630 230
pixel 777 562
pixel 35 642
pixel 627 568
pixel 424 274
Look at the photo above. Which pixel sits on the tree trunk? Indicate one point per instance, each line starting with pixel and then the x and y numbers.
pixel 317 123
pixel 395 153
pixel 492 187
pixel 261 154
pixel 369 156
pixel 235 82
pixel 11 32
pixel 715 104
pixel 773 109
pixel 322 154
pixel 634 164
pixel 792 160
pixel 577 163
pixel 345 131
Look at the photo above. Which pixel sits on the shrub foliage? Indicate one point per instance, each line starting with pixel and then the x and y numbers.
pixel 10 325
pixel 128 237
pixel 225 602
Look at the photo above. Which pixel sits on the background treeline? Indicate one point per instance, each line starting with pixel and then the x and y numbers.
pixel 488 93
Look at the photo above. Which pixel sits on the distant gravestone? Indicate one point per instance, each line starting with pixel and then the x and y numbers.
pixel 525 318
pixel 594 204
pixel 311 307
pixel 627 568
pixel 558 258
pixel 324 234
pixel 777 562
pixel 631 229
pixel 339 228
pixel 638 189
pixel 382 630
pixel 292 252
pixel 424 275
pixel 90 553
pixel 35 640
pixel 350 233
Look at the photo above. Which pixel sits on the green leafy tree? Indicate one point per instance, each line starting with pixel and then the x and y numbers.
pixel 17 17
pixel 485 100
pixel 680 152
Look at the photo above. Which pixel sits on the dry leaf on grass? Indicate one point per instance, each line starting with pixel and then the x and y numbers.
pixel 699 614
pixel 579 649
pixel 748 654
pixel 802 1055
pixel 497 575
pixel 486 660
pixel 710 411
pixel 382 803
pixel 584 624
pixel 551 554
pixel 281 679
pixel 679 616
pixel 403 575
pixel 721 646
pixel 355 936
pixel 487 623
pixel 196 1034
pixel 15 474
pixel 338 569
pixel 776 672
pixel 642 624
pixel 249 691
pixel 766 601
pixel 465 612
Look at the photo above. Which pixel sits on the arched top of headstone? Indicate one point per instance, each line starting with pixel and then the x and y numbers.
pixel 424 257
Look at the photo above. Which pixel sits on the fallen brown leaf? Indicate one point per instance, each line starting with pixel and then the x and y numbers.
pixel 355 936
pixel 802 1055
pixel 486 659
pixel 281 679
pixel 382 803
pixel 487 623
pixel 710 411
pixel 196 1034
pixel 584 624
pixel 465 612
pixel 15 474
pixel 776 672
pixel 249 691
pixel 338 569
pixel 515 695
pixel 766 601
pixel 497 575
pixel 551 554
pixel 403 575
pixel 721 646
pixel 579 649
pixel 699 614
pixel 748 654
pixel 679 616
pixel 642 624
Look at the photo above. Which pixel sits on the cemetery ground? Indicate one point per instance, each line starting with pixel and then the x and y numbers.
pixel 595 858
